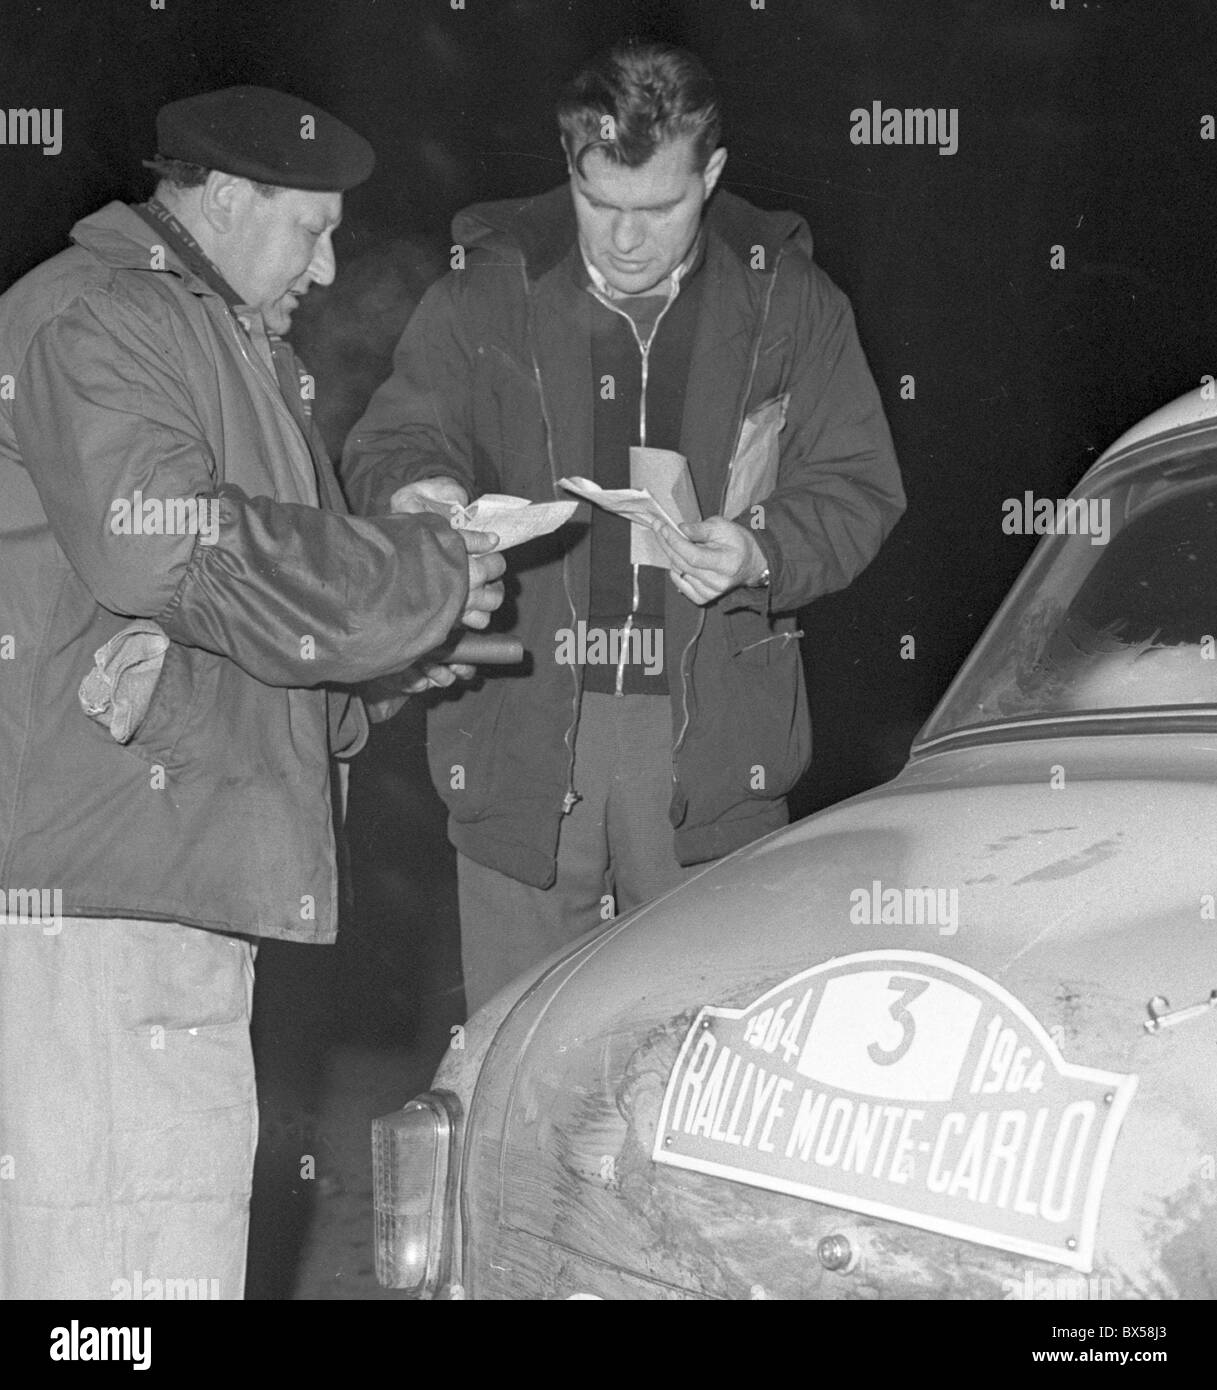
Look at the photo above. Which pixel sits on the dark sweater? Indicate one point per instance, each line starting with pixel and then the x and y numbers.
pixel 615 354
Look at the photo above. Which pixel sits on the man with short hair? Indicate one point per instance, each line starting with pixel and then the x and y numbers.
pixel 184 604
pixel 631 308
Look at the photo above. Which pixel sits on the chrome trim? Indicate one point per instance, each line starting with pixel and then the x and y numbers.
pixel 1173 719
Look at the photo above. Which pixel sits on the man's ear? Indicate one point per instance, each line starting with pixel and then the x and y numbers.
pixel 220 200
pixel 714 168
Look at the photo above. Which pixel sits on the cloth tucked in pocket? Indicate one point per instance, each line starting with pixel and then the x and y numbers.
pixel 118 690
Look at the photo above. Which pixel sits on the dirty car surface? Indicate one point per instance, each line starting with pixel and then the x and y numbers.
pixel 952 1038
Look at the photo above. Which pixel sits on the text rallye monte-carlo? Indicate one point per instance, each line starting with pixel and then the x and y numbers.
pixel 952 1038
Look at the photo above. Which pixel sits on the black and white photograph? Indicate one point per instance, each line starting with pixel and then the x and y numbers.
pixel 569 729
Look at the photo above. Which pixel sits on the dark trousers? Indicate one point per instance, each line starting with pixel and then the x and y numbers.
pixel 615 849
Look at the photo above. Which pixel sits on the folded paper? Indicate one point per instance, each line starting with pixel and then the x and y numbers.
pixel 513 519
pixel 662 491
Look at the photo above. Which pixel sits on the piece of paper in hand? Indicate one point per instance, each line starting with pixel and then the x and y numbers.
pixel 664 474
pixel 634 504
pixel 666 495
pixel 513 519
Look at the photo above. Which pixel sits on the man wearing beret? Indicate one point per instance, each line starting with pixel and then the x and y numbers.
pixel 184 606
pixel 665 717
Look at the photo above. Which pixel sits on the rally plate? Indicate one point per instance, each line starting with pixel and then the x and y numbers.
pixel 902 1085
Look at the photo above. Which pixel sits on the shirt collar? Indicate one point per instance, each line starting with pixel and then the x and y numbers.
pixel 669 287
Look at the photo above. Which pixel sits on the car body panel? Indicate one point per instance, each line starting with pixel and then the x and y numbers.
pixel 574 1181
pixel 1081 844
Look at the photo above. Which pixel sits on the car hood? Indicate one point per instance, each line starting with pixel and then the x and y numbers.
pixel 1079 870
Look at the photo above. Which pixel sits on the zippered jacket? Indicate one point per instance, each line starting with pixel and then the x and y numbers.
pixel 127 387
pixel 492 385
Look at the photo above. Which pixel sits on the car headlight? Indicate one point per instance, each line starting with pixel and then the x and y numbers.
pixel 413 1153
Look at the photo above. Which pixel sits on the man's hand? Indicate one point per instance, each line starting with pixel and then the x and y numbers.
pixel 438 495
pixel 430 495
pixel 712 558
pixel 384 697
pixel 427 677
pixel 485 593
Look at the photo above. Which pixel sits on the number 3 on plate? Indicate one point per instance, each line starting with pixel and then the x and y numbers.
pixel 908 990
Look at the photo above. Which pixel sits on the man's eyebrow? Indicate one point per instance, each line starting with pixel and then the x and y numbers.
pixel 642 207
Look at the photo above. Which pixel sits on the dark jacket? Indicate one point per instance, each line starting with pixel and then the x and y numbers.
pixel 492 385
pixel 126 377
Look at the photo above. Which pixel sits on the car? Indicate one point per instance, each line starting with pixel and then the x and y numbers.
pixel 953 1038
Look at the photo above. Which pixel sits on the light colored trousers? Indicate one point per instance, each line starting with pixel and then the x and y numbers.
pixel 615 849
pixel 128 1117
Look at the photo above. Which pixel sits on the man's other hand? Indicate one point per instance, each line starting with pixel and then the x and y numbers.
pixel 712 558
pixel 385 696
pixel 425 676
pixel 485 569
pixel 430 495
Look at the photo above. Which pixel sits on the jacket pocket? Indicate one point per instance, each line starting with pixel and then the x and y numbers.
pixel 753 639
pixel 751 741
pixel 185 677
pixel 754 465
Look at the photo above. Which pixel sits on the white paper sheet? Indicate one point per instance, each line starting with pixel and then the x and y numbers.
pixel 633 503
pixel 513 519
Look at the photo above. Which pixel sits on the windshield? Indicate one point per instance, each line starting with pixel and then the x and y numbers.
pixel 1116 623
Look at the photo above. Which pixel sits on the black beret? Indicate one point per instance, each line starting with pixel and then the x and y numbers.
pixel 264 135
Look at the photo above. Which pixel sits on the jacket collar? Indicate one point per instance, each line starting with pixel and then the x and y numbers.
pixel 118 236
pixel 187 250
pixel 541 230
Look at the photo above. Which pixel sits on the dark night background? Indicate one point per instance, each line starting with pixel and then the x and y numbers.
pixel 1079 127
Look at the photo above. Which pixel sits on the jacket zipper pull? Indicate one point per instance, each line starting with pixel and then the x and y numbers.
pixel 568 802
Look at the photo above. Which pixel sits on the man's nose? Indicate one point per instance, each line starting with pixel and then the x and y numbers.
pixel 323 265
pixel 628 233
